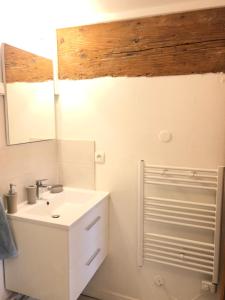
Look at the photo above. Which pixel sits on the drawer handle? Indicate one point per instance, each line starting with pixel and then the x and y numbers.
pixel 93 223
pixel 93 257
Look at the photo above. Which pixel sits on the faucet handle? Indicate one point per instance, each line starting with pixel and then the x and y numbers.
pixel 39 181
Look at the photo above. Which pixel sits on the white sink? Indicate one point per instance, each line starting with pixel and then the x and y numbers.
pixel 62 241
pixel 69 205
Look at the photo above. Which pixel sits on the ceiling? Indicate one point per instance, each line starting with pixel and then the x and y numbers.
pixel 124 5
pixel 31 23
pixel 59 12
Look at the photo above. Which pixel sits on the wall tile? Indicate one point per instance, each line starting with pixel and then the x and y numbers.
pixel 76 163
pixel 77 175
pixel 76 151
pixel 25 163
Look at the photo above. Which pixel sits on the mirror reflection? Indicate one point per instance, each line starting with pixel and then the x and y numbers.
pixel 29 97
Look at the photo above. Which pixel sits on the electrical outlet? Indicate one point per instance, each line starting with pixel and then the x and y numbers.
pixel 208 286
pixel 100 157
pixel 158 280
pixel 205 286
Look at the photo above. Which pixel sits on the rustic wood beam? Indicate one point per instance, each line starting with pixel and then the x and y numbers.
pixel 23 66
pixel 174 44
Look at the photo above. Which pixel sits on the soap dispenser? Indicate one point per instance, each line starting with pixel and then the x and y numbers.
pixel 11 198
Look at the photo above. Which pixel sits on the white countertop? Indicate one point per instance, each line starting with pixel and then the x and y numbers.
pixel 71 205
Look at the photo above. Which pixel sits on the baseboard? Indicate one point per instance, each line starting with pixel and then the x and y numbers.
pixel 107 295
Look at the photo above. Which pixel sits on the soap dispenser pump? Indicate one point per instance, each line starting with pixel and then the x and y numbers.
pixel 11 199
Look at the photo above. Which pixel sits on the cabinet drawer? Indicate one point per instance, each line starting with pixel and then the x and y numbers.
pixel 86 269
pixel 89 234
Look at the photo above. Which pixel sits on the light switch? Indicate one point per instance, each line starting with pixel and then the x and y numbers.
pixel 100 157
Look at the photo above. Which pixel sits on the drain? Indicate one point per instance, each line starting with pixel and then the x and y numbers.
pixel 55 216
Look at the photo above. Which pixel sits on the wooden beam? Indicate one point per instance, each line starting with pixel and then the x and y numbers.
pixel 175 44
pixel 23 66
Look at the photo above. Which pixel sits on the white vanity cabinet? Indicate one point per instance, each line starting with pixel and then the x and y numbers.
pixel 56 262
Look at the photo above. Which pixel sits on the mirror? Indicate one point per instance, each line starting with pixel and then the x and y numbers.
pixel 29 96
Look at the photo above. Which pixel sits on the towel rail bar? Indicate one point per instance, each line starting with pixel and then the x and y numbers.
pixel 181 168
pixel 198 254
pixel 181 185
pixel 181 255
pixel 182 180
pixel 179 218
pixel 180 261
pixel 148 204
pixel 152 208
pixel 180 201
pixel 178 239
pixel 181 174
pixel 179 266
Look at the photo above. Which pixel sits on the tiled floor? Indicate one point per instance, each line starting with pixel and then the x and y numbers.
pixel 15 296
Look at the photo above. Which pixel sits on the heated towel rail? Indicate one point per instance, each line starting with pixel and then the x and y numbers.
pixel 190 213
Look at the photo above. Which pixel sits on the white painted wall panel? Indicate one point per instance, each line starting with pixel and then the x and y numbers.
pixel 124 116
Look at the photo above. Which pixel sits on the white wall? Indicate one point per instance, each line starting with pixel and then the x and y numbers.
pixel 23 164
pixel 124 116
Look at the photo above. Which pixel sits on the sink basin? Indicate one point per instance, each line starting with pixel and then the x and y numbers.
pixel 61 209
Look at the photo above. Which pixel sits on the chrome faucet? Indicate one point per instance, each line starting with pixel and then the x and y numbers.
pixel 40 186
